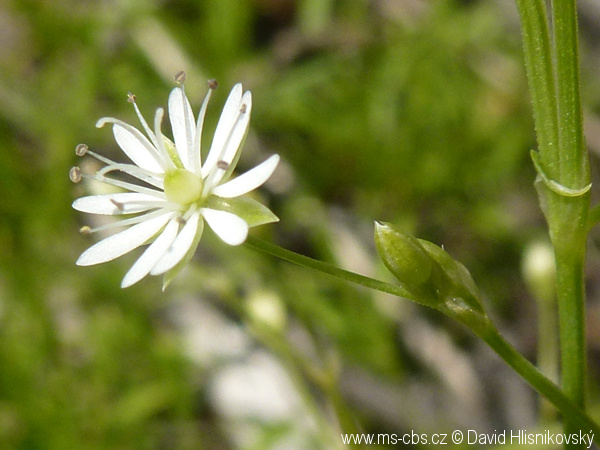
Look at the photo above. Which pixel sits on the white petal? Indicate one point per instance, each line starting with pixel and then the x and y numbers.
pixel 134 144
pixel 180 246
pixel 123 203
pixel 182 124
pixel 228 118
pixel 249 180
pixel 230 228
pixel 239 130
pixel 118 244
pixel 153 253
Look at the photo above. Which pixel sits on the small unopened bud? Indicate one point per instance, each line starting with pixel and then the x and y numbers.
pixel 180 77
pixel 266 309
pixel 85 230
pixel 402 255
pixel 131 98
pixel 223 165
pixel 430 274
pixel 81 149
pixel 539 270
pixel 212 84
pixel 75 174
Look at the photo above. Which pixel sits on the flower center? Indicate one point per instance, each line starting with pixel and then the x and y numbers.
pixel 182 186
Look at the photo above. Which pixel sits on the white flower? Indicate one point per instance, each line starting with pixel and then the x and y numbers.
pixel 178 192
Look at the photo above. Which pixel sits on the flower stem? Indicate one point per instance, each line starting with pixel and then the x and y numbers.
pixel 577 418
pixel 329 269
pixel 486 331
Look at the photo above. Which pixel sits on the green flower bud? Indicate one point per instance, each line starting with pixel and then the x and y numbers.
pixel 431 275
pixel 404 256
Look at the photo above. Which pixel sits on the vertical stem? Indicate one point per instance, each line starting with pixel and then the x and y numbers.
pixel 568 216
pixel 571 308
pixel 573 161
pixel 540 74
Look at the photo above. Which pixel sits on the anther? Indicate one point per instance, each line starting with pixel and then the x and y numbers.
pixel 212 84
pixel 180 77
pixel 223 165
pixel 120 206
pixel 181 220
pixel 131 97
pixel 81 149
pixel 85 230
pixel 75 174
pixel 243 108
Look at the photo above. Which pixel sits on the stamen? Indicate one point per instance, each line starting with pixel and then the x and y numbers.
pixel 150 146
pixel 160 138
pixel 85 230
pixel 81 149
pixel 75 174
pixel 189 213
pixel 132 99
pixel 134 172
pixel 195 156
pixel 223 165
pixel 130 169
pixel 124 222
pixel 122 184
pixel 181 220
pixel 180 77
pixel 212 84
pixel 209 182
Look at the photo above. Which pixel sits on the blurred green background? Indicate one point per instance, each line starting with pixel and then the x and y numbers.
pixel 414 112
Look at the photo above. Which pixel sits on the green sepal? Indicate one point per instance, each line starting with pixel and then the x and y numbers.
pixel 458 282
pixel 253 212
pixel 171 274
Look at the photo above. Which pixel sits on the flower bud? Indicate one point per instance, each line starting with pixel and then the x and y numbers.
pixel 403 255
pixel 539 270
pixel 431 275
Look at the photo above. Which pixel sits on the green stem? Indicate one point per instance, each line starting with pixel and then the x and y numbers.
pixel 486 331
pixel 329 269
pixel 571 309
pixel 540 73
pixel 577 417
pixel 568 217
pixel 559 125
pixel 573 161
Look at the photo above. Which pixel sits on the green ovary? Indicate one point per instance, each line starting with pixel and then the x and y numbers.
pixel 182 186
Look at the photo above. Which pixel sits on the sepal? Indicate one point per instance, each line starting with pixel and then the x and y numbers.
pixel 251 211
